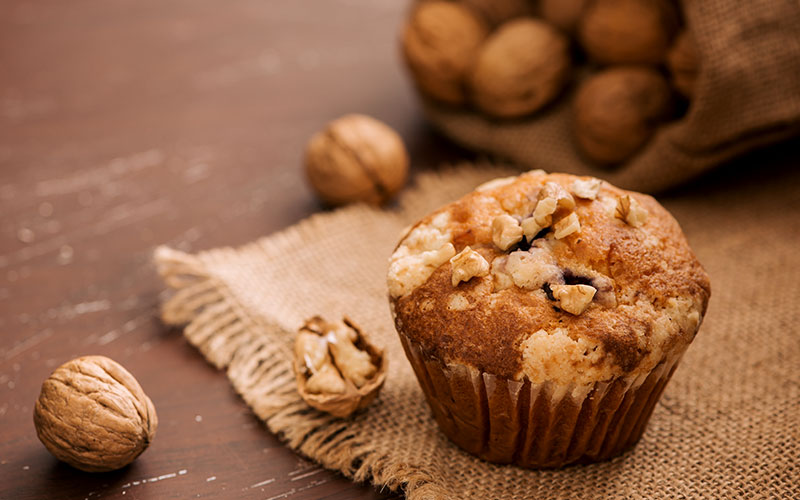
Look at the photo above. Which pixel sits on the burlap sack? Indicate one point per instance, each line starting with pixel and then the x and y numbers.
pixel 747 95
pixel 727 426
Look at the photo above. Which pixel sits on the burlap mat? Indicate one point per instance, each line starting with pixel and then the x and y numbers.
pixel 747 95
pixel 727 426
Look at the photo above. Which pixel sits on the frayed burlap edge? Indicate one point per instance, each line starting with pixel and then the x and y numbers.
pixel 255 357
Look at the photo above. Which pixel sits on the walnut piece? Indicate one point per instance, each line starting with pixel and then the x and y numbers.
pixel 530 228
pixel 467 265
pixel 337 369
pixel 682 64
pixel 323 376
pixel 586 188
pixel 566 226
pixel 440 41
pixel 573 298
pixel 630 211
pixel 628 31
pixel 506 232
pixel 93 415
pixel 617 110
pixel 555 191
pixel 356 158
pixel 543 213
pixel 521 67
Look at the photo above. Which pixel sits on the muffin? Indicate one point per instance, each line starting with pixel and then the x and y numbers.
pixel 544 314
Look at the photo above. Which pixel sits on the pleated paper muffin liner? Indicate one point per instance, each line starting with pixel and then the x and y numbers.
pixel 537 425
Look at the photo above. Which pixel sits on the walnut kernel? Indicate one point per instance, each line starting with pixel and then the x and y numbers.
pixel 630 211
pixel 468 264
pixel 574 299
pixel 506 232
pixel 356 158
pixel 440 41
pixel 566 226
pixel 557 192
pixel 543 213
pixel 93 415
pixel 337 369
pixel 521 67
pixel 586 188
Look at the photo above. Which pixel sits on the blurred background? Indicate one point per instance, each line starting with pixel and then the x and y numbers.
pixel 128 124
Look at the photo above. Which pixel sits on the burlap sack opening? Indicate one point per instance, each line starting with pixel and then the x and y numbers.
pixel 726 426
pixel 747 95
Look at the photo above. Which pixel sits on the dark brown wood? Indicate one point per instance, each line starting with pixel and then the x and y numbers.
pixel 126 124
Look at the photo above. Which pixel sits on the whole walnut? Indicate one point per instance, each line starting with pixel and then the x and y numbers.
pixel 440 41
pixel 356 158
pixel 521 67
pixel 628 31
pixel 682 63
pixel 93 415
pixel 617 110
pixel 496 12
pixel 563 14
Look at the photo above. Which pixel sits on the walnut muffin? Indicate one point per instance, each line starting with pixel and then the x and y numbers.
pixel 544 314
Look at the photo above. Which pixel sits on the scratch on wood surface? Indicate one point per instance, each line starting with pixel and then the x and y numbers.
pixel 266 63
pixel 284 495
pixel 314 484
pixel 118 218
pixel 263 483
pixel 307 474
pixel 27 344
pixel 130 213
pixel 155 479
pixel 101 176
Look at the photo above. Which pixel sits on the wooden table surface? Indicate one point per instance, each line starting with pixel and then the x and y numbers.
pixel 125 124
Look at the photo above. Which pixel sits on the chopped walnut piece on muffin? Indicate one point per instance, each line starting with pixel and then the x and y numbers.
pixel 574 298
pixel 566 226
pixel 506 232
pixel 586 188
pixel 629 210
pixel 467 265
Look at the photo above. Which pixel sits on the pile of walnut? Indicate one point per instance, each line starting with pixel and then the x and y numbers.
pixel 554 210
pixel 338 370
pixel 511 58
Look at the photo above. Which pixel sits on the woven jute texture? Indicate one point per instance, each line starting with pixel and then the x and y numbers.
pixel 747 95
pixel 727 426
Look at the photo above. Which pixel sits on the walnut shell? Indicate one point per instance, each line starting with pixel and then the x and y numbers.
pixel 617 110
pixel 682 63
pixel 356 158
pixel 563 14
pixel 340 399
pixel 521 67
pixel 496 12
pixel 628 31
pixel 440 41
pixel 93 415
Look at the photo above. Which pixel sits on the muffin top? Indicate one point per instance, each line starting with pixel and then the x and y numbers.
pixel 549 277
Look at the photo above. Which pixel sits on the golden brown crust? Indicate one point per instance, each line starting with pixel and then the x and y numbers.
pixel 647 277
